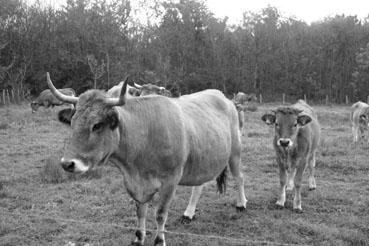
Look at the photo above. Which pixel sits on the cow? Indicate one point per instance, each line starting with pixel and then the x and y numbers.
pixel 241 101
pixel 115 90
pixel 296 139
pixel 157 143
pixel 150 89
pixel 47 99
pixel 242 98
pixel 359 117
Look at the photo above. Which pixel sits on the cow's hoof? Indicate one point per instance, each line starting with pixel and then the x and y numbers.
pixel 312 188
pixel 135 243
pixel 279 206
pixel 159 242
pixel 297 210
pixel 186 220
pixel 240 209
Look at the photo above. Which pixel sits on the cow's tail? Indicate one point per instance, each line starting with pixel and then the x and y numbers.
pixel 222 181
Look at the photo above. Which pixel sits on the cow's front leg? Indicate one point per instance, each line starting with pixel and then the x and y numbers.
pixel 141 220
pixel 166 195
pixel 290 178
pixel 282 188
pixel 298 179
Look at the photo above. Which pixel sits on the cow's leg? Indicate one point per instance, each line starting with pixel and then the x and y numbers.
pixel 141 219
pixel 191 207
pixel 311 166
pixel 290 179
pixel 355 133
pixel 234 165
pixel 298 180
pixel 71 106
pixel 282 188
pixel 165 196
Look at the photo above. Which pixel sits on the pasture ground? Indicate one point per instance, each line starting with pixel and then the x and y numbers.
pixel 38 201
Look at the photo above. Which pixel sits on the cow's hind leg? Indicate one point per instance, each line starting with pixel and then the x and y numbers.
pixel 141 217
pixel 234 165
pixel 165 196
pixel 190 210
pixel 311 166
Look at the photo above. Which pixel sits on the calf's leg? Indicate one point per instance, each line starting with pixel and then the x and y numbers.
pixel 282 188
pixel 311 166
pixel 298 180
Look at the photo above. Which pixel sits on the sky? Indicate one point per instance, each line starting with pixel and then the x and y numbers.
pixel 306 10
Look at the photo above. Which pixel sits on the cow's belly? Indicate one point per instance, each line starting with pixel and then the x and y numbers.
pixel 203 167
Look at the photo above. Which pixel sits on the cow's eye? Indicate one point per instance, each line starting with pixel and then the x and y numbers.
pixel 295 125
pixel 97 126
pixel 276 124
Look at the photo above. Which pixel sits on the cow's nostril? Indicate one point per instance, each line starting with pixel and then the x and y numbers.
pixel 68 166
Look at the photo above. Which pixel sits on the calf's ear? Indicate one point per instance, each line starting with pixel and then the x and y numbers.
pixel 268 118
pixel 303 120
pixel 65 115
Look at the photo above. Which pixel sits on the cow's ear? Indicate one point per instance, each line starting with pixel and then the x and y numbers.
pixel 65 115
pixel 112 119
pixel 303 120
pixel 268 118
pixel 363 117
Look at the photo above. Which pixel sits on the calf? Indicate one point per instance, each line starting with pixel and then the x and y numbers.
pixel 296 139
pixel 360 119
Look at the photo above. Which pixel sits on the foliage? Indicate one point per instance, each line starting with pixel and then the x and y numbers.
pixel 184 47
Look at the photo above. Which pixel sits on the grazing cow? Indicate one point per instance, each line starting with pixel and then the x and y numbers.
pixel 297 133
pixel 47 99
pixel 360 119
pixel 157 143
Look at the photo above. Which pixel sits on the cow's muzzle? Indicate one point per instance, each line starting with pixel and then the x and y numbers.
pixel 284 142
pixel 73 165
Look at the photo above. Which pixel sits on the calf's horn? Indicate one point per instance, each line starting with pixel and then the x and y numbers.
pixel 58 94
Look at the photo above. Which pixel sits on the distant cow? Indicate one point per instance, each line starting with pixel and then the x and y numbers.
pixel 241 101
pixel 157 143
pixel 242 98
pixel 297 134
pixel 360 120
pixel 139 90
pixel 47 99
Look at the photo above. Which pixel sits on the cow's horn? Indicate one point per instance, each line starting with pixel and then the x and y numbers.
pixel 122 98
pixel 137 86
pixel 58 94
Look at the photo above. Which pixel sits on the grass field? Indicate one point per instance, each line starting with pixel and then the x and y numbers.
pixel 42 205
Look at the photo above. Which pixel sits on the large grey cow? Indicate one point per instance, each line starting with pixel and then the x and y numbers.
pixel 297 134
pixel 360 120
pixel 47 99
pixel 157 143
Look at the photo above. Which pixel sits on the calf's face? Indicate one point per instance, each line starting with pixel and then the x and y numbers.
pixel 287 122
